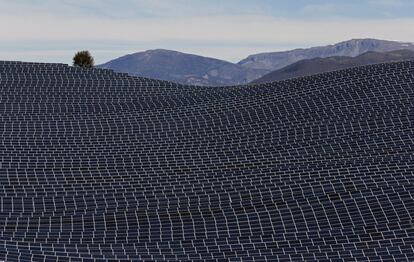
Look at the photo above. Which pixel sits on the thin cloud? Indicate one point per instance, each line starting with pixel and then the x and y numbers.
pixel 221 28
pixel 388 2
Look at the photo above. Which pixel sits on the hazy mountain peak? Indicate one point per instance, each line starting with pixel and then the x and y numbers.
pixel 354 47
pixel 161 51
pixel 183 68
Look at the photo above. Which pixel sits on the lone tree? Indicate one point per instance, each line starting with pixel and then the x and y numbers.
pixel 83 59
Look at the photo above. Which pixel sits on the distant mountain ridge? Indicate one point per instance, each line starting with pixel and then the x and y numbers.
pixel 198 70
pixel 320 65
pixel 355 47
pixel 183 68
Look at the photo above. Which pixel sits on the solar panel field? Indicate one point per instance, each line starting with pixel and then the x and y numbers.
pixel 101 166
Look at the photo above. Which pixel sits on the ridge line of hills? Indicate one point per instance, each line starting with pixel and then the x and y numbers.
pixel 308 67
pixel 192 69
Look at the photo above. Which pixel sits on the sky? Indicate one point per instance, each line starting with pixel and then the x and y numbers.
pixel 53 30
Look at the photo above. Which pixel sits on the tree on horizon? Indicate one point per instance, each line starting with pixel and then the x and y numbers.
pixel 83 59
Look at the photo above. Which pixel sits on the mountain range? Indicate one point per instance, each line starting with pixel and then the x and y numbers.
pixel 320 65
pixel 198 70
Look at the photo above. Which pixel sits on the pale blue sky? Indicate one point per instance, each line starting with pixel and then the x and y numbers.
pixel 52 30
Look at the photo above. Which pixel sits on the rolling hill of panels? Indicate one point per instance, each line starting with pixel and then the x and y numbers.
pixel 100 166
